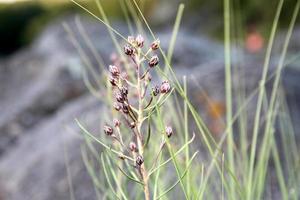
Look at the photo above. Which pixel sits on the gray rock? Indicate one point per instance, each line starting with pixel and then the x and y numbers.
pixel 36 167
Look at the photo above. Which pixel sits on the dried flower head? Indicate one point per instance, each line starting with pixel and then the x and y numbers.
pixel 169 131
pixel 139 160
pixel 114 70
pixel 165 87
pixel 117 123
pixel 108 130
pixel 132 147
pixel 153 61
pixel 139 41
pixel 128 50
pixel 155 45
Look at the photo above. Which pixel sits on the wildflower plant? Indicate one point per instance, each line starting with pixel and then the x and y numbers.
pixel 131 134
pixel 146 137
pixel 134 102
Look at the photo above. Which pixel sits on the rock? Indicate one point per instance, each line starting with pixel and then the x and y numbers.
pixel 36 167
pixel 38 80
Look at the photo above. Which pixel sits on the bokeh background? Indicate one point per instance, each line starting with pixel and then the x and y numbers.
pixel 42 89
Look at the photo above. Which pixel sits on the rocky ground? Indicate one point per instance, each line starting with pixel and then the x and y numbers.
pixel 42 92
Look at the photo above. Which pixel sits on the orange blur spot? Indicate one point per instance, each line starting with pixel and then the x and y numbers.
pixel 254 42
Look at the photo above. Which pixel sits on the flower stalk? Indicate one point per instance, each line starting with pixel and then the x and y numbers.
pixel 136 110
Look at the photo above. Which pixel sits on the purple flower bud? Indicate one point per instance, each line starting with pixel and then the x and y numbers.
pixel 139 41
pixel 113 81
pixel 125 109
pixel 139 160
pixel 117 122
pixel 124 91
pixel 120 97
pixel 117 106
pixel 108 130
pixel 132 147
pixel 155 90
pixel 132 125
pixel 131 40
pixel 165 87
pixel 155 44
pixel 169 131
pixel 114 70
pixel 148 77
pixel 128 50
pixel 153 61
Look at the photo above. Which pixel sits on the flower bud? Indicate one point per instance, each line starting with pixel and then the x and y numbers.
pixel 117 106
pixel 124 91
pixel 120 97
pixel 113 81
pixel 122 157
pixel 130 40
pixel 128 50
pixel 132 147
pixel 169 131
pixel 155 44
pixel 124 75
pixel 114 70
pixel 108 130
pixel 148 77
pixel 153 61
pixel 125 109
pixel 155 90
pixel 117 122
pixel 132 125
pixel 165 87
pixel 139 160
pixel 139 41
